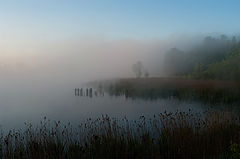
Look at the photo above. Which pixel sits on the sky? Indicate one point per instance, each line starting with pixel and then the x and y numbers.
pixel 54 19
pixel 84 36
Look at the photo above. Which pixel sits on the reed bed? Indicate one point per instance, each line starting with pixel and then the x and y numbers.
pixel 206 91
pixel 180 135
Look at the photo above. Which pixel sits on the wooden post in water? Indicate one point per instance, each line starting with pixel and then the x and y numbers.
pixel 87 92
pixel 90 92
pixel 81 92
pixel 76 92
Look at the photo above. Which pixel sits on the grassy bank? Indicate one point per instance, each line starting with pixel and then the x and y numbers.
pixel 167 135
pixel 209 91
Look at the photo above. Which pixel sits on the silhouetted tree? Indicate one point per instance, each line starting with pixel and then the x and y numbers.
pixel 138 69
pixel 215 58
pixel 223 37
pixel 234 40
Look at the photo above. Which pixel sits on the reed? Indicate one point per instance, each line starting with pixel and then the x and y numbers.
pixel 206 91
pixel 166 135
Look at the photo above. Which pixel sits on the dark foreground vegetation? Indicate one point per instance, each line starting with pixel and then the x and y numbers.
pixel 180 135
pixel 207 91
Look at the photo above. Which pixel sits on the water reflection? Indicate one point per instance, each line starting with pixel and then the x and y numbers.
pixel 30 102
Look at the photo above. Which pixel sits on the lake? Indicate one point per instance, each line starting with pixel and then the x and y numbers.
pixel 31 99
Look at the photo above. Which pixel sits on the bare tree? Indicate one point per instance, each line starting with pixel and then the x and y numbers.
pixel 138 69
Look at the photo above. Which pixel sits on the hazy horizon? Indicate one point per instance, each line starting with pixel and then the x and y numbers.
pixel 102 39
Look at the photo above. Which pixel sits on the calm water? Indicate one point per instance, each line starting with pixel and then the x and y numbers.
pixel 28 100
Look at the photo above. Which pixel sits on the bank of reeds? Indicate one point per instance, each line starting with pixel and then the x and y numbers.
pixel 180 135
pixel 207 91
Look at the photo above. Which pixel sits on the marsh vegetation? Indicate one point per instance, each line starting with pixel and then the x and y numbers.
pixel 166 135
pixel 206 91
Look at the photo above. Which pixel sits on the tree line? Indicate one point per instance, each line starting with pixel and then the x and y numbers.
pixel 215 58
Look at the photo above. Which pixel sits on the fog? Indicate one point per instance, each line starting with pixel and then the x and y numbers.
pixel 84 58
pixel 38 77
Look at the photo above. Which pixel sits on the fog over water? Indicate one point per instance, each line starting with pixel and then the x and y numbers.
pixel 37 78
pixel 86 58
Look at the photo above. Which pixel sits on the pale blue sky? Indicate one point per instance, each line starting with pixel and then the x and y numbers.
pixel 117 18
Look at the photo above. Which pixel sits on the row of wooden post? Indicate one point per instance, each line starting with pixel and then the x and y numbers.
pixel 88 92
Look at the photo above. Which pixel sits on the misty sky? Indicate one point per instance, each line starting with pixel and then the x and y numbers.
pixel 79 35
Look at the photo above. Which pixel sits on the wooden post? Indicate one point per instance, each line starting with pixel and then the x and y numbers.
pixel 90 92
pixel 81 92
pixel 87 92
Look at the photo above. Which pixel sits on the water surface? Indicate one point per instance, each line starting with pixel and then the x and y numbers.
pixel 31 99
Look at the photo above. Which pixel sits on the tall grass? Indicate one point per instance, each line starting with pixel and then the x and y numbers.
pixel 181 135
pixel 206 91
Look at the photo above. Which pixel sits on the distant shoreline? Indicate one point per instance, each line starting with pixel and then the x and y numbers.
pixel 207 91
pixel 175 81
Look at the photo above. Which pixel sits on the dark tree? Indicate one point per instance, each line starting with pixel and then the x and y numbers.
pixel 138 69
